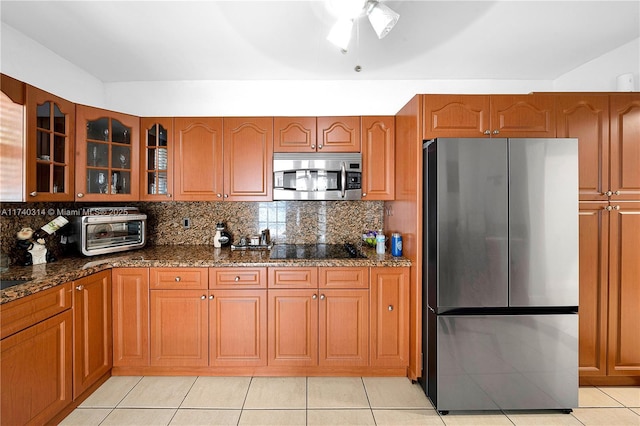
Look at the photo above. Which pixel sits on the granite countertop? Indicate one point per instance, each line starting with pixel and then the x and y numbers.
pixel 49 275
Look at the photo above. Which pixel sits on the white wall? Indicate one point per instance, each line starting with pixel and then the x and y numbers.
pixel 29 61
pixel 599 75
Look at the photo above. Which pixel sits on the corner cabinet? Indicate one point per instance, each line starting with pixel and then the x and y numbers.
pixel 378 158
pixel 92 330
pixel 156 159
pixel 476 116
pixel 130 288
pixel 107 155
pixel 50 147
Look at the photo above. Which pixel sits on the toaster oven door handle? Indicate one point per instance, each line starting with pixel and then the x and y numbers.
pixel 343 180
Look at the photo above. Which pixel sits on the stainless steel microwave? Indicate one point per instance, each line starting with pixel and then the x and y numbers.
pixel 318 176
pixel 103 230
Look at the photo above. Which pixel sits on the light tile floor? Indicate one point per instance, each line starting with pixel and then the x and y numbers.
pixel 318 401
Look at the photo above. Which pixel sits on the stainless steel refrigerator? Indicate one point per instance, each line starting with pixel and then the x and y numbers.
pixel 500 273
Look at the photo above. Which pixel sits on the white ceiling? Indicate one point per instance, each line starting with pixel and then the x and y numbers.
pixel 119 41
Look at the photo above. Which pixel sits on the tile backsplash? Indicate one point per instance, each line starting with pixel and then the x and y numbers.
pixel 288 221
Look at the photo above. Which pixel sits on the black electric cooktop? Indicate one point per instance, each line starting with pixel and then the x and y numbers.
pixel 315 251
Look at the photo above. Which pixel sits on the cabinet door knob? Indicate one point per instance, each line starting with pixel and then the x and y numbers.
pixel 314 297
pixel 219 195
pixel 390 308
pixel 80 287
pixel 487 132
pixel 616 207
pixel 80 195
pixel 617 192
pixel 168 195
pixel 33 194
pixel 609 208
pixel 211 297
pixel 364 194
pixel 608 193
pixel 237 278
pixel 178 279
pixel 313 147
pixel 203 297
pixel 322 297
pixel 320 146
pixel 495 132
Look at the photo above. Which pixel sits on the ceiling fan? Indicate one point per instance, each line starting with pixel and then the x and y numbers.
pixel 381 17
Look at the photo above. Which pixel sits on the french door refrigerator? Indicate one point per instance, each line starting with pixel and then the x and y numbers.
pixel 501 273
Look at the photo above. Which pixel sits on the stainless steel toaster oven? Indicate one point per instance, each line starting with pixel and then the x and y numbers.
pixel 104 230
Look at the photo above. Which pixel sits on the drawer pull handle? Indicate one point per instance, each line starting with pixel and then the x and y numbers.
pixel 390 308
pixel 80 287
pixel 237 278
pixel 178 279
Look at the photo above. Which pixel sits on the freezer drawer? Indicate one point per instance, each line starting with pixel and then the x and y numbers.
pixel 491 362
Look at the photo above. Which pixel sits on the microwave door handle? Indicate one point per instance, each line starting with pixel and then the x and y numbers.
pixel 343 180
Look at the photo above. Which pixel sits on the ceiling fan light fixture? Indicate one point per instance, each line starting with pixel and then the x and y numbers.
pixel 382 18
pixel 340 34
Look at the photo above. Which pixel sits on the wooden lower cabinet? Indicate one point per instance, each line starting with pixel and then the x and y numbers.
pixel 36 371
pixel 237 328
pixel 609 294
pixel 92 330
pixel 343 328
pixel 624 290
pixel 179 328
pixel 389 317
pixel 293 327
pixel 130 316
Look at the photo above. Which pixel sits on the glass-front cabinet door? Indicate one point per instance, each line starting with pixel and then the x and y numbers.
pixel 156 162
pixel 107 155
pixel 50 147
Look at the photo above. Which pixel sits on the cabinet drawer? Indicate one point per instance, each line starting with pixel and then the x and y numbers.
pixel 22 313
pixel 238 278
pixel 178 278
pixel 293 277
pixel 348 277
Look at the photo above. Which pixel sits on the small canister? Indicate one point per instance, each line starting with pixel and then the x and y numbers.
pixel 396 244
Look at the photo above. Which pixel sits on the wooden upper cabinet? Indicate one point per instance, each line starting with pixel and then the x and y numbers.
pixel 107 155
pixel 339 134
pixel 625 146
pixel 156 159
pixel 248 159
pixel 594 275
pixel 464 116
pixel 378 158
pixel 624 292
pixel 523 116
pixel 50 150
pixel 586 117
pixel 489 116
pixel 198 162
pixel 294 134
